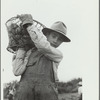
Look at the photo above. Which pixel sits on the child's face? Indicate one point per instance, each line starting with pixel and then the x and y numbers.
pixel 54 38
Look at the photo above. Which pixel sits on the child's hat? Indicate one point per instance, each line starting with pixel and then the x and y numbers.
pixel 58 27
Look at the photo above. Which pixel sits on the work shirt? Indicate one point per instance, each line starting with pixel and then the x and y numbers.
pixel 43 46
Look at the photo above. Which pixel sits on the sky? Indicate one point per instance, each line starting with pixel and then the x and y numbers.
pixel 81 55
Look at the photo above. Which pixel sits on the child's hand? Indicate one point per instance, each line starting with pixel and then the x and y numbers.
pixel 34 32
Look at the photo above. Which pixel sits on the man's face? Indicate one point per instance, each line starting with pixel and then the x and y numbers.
pixel 54 38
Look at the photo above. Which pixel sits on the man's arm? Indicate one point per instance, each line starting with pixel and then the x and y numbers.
pixel 43 45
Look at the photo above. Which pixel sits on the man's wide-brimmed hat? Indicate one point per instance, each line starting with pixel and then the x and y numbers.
pixel 60 28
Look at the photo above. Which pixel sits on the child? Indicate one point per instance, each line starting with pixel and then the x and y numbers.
pixel 38 66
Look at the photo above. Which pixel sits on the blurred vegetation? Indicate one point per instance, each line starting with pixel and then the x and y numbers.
pixel 63 87
pixel 69 87
pixel 8 87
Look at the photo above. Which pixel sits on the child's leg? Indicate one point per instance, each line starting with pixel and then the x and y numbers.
pixel 45 92
pixel 25 92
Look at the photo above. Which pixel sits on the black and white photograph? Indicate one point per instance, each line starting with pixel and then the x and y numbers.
pixel 49 49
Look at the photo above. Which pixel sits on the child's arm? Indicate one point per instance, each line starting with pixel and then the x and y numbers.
pixel 20 61
pixel 43 45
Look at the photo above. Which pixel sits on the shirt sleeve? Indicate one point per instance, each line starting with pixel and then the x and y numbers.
pixel 20 62
pixel 43 45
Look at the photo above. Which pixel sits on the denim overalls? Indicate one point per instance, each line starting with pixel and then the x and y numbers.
pixel 37 82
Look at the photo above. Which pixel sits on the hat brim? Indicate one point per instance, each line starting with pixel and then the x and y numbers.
pixel 65 38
